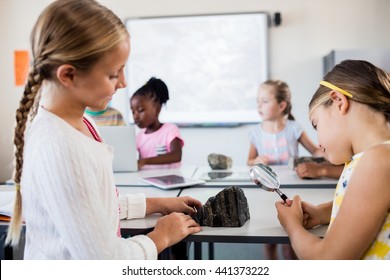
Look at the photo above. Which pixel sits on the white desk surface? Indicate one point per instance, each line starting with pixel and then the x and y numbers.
pixel 149 191
pixel 7 188
pixel 263 226
pixel 288 178
pixel 135 224
pixel 133 178
pixel 130 183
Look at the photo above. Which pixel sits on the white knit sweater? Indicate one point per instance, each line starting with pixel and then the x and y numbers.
pixel 69 200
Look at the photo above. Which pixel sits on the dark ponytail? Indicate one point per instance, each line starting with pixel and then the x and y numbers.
pixel 155 89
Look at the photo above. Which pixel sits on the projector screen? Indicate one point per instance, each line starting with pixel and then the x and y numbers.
pixel 212 65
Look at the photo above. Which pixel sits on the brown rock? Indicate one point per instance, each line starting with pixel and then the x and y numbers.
pixel 219 162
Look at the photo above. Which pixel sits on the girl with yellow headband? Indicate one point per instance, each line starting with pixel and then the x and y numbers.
pixel 351 113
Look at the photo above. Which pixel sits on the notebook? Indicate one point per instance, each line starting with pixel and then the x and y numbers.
pixel 171 181
pixel 122 138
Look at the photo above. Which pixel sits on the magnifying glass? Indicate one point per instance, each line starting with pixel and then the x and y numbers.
pixel 263 176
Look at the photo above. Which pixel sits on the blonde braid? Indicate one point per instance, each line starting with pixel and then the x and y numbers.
pixel 72 32
pixel 22 115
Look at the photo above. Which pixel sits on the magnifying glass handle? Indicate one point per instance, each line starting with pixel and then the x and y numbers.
pixel 282 195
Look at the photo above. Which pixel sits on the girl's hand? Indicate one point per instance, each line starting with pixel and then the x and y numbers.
pixel 314 215
pixel 171 229
pixel 290 213
pixel 141 163
pixel 311 215
pixel 309 170
pixel 261 159
pixel 183 204
pixel 166 206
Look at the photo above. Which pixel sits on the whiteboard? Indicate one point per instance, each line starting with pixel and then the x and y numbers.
pixel 212 65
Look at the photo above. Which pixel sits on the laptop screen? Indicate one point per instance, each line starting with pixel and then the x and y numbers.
pixel 122 138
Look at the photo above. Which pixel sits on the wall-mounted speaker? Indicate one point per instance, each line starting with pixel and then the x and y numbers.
pixel 277 19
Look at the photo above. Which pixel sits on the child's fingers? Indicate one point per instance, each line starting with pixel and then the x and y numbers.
pixel 288 202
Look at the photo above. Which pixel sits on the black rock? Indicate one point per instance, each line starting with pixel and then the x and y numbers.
pixel 229 208
pixel 219 162
pixel 308 159
pixel 219 175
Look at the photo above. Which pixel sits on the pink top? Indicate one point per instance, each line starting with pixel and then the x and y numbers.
pixel 158 143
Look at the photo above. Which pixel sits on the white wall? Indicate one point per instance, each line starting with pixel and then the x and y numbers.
pixel 309 30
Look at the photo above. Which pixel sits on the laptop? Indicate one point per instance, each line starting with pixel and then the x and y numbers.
pixel 122 138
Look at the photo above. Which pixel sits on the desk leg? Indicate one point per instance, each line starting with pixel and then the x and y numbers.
pixel 8 252
pixel 197 250
pixel 179 251
pixel 164 255
pixel 211 250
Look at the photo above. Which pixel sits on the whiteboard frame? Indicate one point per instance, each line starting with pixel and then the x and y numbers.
pixel 207 117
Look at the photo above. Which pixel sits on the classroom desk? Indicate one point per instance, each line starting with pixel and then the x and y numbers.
pixel 287 177
pixel 251 231
pixel 263 225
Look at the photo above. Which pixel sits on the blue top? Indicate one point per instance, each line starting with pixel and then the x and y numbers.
pixel 277 147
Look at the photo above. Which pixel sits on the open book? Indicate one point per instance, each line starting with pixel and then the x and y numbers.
pixel 7 199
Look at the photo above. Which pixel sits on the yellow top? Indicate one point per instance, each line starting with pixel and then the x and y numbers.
pixel 380 248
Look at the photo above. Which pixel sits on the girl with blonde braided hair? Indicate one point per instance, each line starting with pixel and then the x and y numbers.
pixel 63 169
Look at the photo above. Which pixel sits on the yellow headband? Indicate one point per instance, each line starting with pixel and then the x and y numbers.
pixel 331 86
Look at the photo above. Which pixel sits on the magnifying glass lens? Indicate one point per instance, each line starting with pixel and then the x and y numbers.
pixel 263 176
